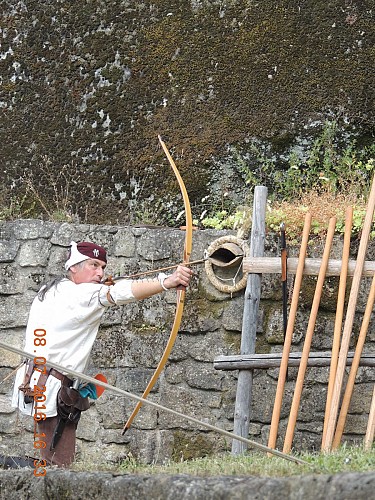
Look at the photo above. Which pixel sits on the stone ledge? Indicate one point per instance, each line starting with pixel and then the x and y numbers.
pixel 21 484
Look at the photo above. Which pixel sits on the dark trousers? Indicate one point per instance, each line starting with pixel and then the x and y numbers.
pixel 63 454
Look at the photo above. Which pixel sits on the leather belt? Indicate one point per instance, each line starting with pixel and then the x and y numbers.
pixel 64 379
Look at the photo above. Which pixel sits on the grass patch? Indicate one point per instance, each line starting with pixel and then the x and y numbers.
pixel 322 206
pixel 345 459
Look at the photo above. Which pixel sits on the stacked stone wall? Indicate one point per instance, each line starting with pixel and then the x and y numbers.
pixel 131 340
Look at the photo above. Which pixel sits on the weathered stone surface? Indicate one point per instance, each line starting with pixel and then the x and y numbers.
pixel 207 289
pixel 175 373
pixel 65 233
pixel 11 337
pixel 89 425
pixel 204 377
pixel 110 453
pixel 8 420
pixel 112 316
pixel 34 253
pixel 14 310
pixel 5 404
pixel 315 374
pixel 356 424
pixel 149 445
pixel 57 257
pixel 274 328
pixel 215 344
pixel 364 373
pixel 23 485
pixel 271 286
pixel 262 394
pixel 114 411
pixel 198 404
pixel 231 320
pixel 124 243
pixel 31 229
pixel 11 281
pixel 152 247
pixel 8 250
pixel 135 379
pixel 6 376
pixel 198 319
pixel 114 436
pixel 215 99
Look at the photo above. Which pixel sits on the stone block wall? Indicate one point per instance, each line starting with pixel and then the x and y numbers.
pixel 132 338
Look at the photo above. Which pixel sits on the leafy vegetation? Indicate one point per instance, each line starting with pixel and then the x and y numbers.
pixel 47 195
pixel 14 208
pixel 329 164
pixel 321 205
pixel 324 179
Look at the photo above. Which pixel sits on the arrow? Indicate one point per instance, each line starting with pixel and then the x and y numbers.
pixel 112 388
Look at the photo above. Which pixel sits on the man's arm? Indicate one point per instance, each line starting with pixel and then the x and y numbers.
pixel 179 279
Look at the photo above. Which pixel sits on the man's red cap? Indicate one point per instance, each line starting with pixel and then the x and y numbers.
pixel 83 251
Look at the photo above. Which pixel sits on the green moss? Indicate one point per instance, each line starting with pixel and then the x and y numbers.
pixel 8 86
pixel 143 329
pixel 205 78
pixel 275 335
pixel 308 290
pixel 112 74
pixel 263 346
pixel 202 309
pixel 233 341
pixel 187 446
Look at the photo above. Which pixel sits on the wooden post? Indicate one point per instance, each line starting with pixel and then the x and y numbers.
pixel 272 265
pixel 308 339
pixel 249 322
pixel 275 359
pixel 289 335
pixel 354 368
pixel 349 319
pixel 369 438
pixel 338 319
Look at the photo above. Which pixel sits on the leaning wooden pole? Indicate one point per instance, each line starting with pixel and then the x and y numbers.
pixel 289 334
pixel 369 437
pixel 249 322
pixel 354 368
pixel 349 319
pixel 339 318
pixel 309 334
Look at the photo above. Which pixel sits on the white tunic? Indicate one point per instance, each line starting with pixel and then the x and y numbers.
pixel 70 314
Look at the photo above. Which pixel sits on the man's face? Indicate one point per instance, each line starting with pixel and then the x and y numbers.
pixel 88 271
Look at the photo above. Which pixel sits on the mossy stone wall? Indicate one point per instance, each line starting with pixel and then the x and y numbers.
pixel 132 338
pixel 87 85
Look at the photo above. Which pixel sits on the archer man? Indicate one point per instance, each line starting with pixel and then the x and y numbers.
pixel 63 323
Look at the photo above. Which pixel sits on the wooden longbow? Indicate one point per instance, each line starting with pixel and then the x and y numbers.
pixel 180 293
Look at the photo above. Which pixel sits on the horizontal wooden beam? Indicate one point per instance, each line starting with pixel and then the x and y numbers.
pixel 265 361
pixel 272 265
